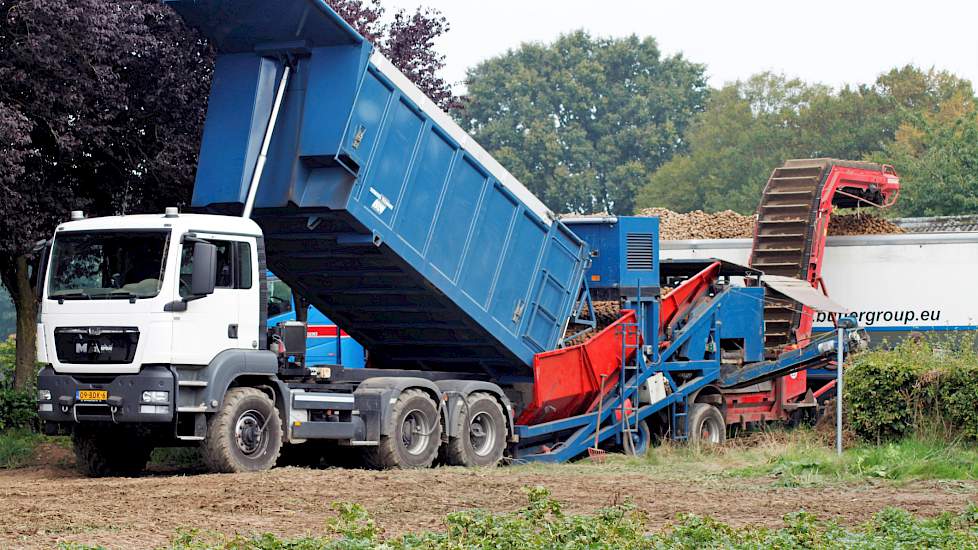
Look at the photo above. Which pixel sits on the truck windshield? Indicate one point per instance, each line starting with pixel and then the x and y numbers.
pixel 107 265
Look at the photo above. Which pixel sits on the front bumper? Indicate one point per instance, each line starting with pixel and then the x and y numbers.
pixel 124 403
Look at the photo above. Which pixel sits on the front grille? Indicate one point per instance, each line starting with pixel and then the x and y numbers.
pixel 96 345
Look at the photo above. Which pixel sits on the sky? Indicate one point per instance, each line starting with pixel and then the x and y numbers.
pixel 828 41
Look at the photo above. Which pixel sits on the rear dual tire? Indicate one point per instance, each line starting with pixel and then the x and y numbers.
pixel 414 434
pixel 481 431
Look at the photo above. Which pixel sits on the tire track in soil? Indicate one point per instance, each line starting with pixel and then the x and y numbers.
pixel 47 505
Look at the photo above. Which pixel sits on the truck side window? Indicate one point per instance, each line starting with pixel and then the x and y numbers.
pixel 244 265
pixel 279 298
pixel 225 266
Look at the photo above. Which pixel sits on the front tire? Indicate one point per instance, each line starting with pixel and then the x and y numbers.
pixel 108 451
pixel 706 425
pixel 245 435
pixel 482 434
pixel 414 435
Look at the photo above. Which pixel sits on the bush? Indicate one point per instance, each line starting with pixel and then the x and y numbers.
pixel 918 388
pixel 17 407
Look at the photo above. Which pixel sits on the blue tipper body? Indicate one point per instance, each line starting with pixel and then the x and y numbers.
pixel 375 205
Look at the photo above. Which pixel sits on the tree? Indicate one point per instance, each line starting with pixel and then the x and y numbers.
pixel 584 121
pixel 101 109
pixel 751 127
pixel 936 155
pixel 408 41
pixel 734 141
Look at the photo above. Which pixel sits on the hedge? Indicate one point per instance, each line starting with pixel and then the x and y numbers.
pixel 922 388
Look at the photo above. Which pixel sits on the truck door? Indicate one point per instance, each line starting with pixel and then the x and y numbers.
pixel 212 324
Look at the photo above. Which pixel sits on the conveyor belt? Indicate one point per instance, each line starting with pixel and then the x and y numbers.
pixel 791 221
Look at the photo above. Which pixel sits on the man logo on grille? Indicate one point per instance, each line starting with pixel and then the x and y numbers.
pixel 93 348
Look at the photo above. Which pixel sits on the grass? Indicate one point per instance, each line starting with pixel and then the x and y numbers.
pixel 542 524
pixel 800 457
pixel 17 448
pixel 796 458
pixel 801 461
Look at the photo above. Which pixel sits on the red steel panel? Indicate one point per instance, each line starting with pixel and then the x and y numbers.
pixel 566 382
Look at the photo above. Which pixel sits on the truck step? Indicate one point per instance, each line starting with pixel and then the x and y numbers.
pixel 323 401
pixel 324 430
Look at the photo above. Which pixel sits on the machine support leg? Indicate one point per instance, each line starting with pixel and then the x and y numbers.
pixel 838 392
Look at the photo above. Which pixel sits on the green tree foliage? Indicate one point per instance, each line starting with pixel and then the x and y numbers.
pixel 583 122
pixel 750 127
pixel 937 157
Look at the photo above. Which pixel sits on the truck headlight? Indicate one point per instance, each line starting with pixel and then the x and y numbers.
pixel 156 397
pixel 43 395
pixel 154 409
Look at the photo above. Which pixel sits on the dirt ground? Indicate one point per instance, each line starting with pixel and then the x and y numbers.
pixel 51 503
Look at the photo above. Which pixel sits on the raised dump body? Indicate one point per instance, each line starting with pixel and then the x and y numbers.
pixel 375 205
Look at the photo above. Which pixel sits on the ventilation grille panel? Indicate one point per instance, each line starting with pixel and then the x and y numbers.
pixel 640 251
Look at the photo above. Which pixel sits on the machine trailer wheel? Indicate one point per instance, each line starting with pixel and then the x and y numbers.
pixel 104 452
pixel 482 433
pixel 706 425
pixel 415 434
pixel 640 442
pixel 245 435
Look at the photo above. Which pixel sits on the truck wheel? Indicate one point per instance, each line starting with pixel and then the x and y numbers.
pixel 482 433
pixel 245 435
pixel 109 452
pixel 706 425
pixel 415 434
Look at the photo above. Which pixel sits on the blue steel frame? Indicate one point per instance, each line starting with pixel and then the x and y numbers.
pixel 704 320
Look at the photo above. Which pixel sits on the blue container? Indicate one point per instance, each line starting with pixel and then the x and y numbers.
pixel 624 253
pixel 375 205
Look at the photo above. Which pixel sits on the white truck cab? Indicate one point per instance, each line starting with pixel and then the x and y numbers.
pixel 146 323
pixel 139 270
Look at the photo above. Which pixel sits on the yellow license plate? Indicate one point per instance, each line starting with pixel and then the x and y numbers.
pixel 93 395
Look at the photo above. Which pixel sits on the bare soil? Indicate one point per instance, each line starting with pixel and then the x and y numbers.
pixel 51 503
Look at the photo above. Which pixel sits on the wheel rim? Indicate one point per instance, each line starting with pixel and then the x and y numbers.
pixel 415 432
pixel 482 433
pixel 710 431
pixel 249 433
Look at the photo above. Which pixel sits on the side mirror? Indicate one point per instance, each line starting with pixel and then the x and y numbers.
pixel 204 277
